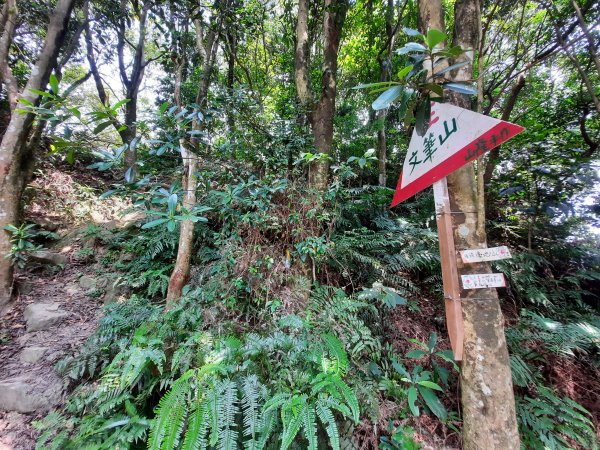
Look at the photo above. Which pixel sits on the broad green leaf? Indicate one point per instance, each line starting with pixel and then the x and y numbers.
pixel 430 384
pixel 129 175
pixel 432 341
pixel 435 88
pixel 411 47
pixel 412 399
pixel 120 103
pixel 172 202
pixel 422 116
pixel 434 37
pixel 404 71
pixel 461 88
pixel 416 354
pixel 54 84
pixel 42 93
pixel 411 32
pixel 387 98
pixel 433 403
pixel 101 127
pixel 163 107
pixel 154 223
pixel 452 67
pixel 25 101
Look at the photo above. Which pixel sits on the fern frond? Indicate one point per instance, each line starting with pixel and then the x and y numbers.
pixel 309 423
pixel 168 423
pixel 328 420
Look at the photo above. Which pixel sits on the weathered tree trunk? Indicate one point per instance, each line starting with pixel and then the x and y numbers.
pixel 385 68
pixel 8 22
pixel 13 148
pixel 488 407
pixel 302 64
pixel 324 113
pixel 181 271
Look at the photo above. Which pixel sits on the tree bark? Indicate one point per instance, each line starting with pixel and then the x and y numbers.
pixel 385 68
pixel 13 154
pixel 489 418
pixel 9 22
pixel 302 64
pixel 324 113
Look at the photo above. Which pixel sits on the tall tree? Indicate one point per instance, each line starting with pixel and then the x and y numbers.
pixel 207 46
pixel 488 406
pixel 120 18
pixel 14 151
pixel 320 115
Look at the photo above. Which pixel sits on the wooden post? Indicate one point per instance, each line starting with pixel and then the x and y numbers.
pixel 454 319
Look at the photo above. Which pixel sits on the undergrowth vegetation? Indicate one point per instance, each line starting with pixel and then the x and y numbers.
pixel 282 337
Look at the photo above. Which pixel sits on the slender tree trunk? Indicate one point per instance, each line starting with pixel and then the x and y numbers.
pixel 488 407
pixel 9 22
pixel 13 157
pixel 322 117
pixel 385 67
pixel 302 64
pixel 584 27
pixel 181 271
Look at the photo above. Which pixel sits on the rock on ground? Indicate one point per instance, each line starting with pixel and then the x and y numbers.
pixel 24 394
pixel 33 354
pixel 41 316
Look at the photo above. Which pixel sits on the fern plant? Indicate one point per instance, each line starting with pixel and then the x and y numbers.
pixel 205 406
pixel 547 421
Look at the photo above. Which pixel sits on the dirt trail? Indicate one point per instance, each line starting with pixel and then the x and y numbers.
pixel 29 383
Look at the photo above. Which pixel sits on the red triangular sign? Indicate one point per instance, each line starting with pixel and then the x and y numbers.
pixel 456 136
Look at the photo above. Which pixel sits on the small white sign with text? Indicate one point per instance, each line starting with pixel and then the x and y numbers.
pixel 485 254
pixel 483 280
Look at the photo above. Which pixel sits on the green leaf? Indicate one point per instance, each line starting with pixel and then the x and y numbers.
pixel 404 101
pixel 163 107
pixel 433 403
pixel 386 98
pixel 154 223
pixel 416 354
pixel 411 32
pixel 374 85
pixel 404 71
pixel 434 37
pixel 411 47
pixel 53 84
pixel 42 93
pixel 435 88
pixel 102 127
pixel 412 399
pixel 120 103
pixel 430 384
pixel 461 88
pixel 452 67
pixel 25 101
pixel 172 203
pixel 432 341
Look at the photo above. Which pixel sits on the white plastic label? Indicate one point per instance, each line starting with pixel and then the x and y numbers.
pixel 483 280
pixel 485 254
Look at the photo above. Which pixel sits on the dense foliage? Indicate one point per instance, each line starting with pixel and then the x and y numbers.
pixel 314 318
